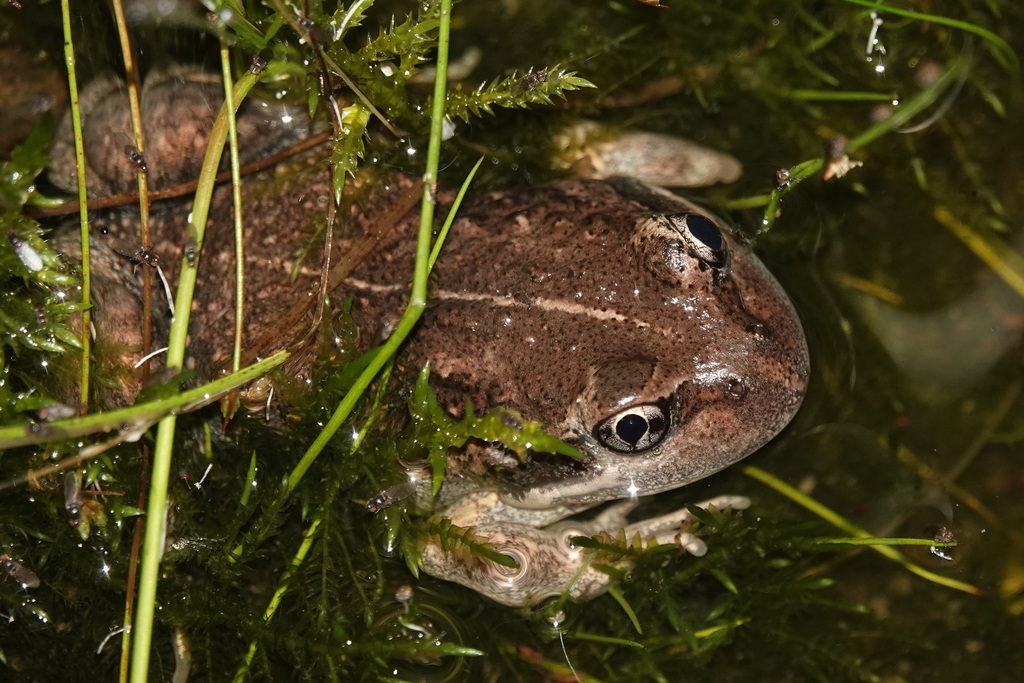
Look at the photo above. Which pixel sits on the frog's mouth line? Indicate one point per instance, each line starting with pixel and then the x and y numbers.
pixel 589 492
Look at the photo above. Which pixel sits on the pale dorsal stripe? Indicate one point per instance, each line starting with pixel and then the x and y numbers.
pixel 552 305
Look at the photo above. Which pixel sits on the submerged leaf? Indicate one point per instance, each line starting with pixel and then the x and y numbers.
pixel 464 542
pixel 615 547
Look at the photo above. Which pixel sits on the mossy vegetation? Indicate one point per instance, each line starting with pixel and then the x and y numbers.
pixel 304 582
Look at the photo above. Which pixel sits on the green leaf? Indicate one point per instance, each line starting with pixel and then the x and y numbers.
pixel 514 92
pixel 463 542
pixel 348 149
pixel 409 41
pixel 29 159
pixel 609 547
pixel 499 426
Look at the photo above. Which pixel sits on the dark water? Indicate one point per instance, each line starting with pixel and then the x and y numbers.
pixel 913 423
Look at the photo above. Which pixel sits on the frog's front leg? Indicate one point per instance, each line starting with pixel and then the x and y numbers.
pixel 548 563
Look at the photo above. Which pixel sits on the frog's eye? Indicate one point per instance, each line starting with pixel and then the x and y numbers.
pixel 703 238
pixel 635 429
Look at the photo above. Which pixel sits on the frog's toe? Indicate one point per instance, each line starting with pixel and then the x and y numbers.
pixel 691 544
pixel 674 527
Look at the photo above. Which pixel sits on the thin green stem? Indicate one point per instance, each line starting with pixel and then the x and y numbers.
pixel 715 630
pixel 83 208
pixel 840 522
pixel 871 540
pixel 236 205
pixel 142 179
pixel 443 233
pixel 419 282
pixel 242 674
pixel 900 117
pixel 156 509
pixel 815 95
pixel 135 418
pixel 418 299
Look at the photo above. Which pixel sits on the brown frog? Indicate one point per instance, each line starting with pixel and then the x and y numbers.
pixel 633 326
pixel 626 320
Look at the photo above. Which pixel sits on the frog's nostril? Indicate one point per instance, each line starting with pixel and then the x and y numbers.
pixel 737 388
pixel 759 330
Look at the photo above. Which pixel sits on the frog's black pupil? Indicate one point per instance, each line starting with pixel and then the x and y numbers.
pixel 704 230
pixel 631 428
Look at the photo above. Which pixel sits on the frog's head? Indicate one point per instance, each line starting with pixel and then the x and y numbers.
pixel 718 367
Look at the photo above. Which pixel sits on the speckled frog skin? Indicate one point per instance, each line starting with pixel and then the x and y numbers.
pixel 626 320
